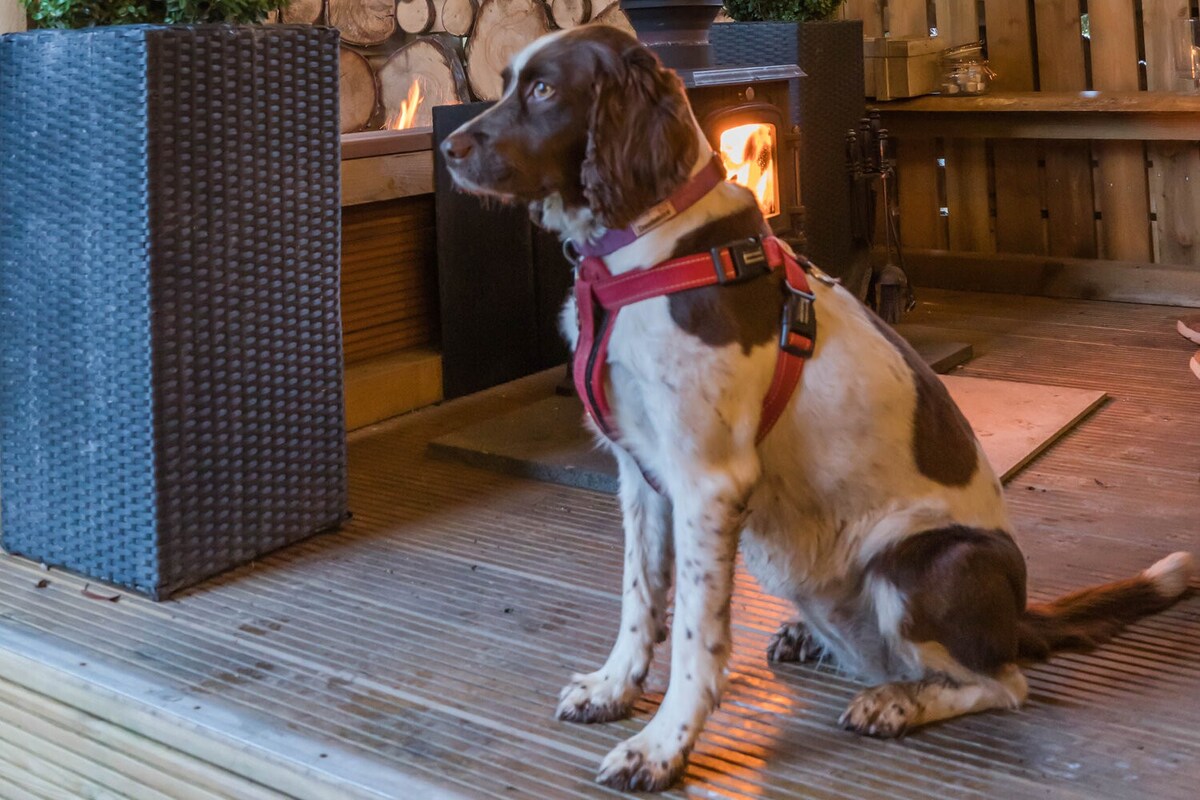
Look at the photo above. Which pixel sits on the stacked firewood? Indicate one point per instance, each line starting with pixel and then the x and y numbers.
pixel 402 57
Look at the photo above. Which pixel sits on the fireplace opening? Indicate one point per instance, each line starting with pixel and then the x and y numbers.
pixel 748 152
pixel 412 113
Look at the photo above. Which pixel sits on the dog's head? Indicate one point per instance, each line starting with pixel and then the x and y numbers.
pixel 589 119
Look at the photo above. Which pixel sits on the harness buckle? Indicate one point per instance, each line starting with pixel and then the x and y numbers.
pixel 798 328
pixel 748 257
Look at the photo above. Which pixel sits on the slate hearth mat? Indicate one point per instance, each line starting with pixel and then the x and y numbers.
pixel 546 440
pixel 937 346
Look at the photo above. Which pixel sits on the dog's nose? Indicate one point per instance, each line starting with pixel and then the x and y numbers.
pixel 459 145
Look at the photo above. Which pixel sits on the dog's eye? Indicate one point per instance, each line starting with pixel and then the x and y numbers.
pixel 541 91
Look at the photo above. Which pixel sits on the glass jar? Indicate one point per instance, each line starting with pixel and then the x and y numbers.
pixel 965 71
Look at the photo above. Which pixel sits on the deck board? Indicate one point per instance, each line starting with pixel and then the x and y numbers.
pixel 419 652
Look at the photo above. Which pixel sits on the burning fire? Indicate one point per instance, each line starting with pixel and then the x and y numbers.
pixel 748 152
pixel 406 115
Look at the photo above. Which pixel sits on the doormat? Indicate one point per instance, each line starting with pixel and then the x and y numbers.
pixel 546 439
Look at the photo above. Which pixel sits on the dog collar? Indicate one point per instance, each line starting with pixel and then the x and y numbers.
pixel 600 296
pixel 683 198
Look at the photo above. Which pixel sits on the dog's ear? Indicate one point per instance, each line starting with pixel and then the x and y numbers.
pixel 641 139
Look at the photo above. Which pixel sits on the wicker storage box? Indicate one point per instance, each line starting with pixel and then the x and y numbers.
pixel 170 346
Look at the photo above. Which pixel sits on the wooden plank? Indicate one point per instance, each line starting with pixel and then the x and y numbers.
pixel 1124 201
pixel 237 741
pixel 1059 124
pixel 1088 279
pixel 366 144
pixel 383 213
pixel 1157 17
pixel 1121 170
pixel 920 208
pixel 385 247
pixel 1114 45
pixel 28 785
pixel 869 11
pixel 392 385
pixel 153 765
pixel 369 180
pixel 12 16
pixel 1020 227
pixel 967 196
pixel 18 758
pixel 391 337
pixel 1070 204
pixel 1080 105
pixel 906 18
pixel 1175 166
pixel 385 288
pixel 1175 180
pixel 1009 45
pixel 1060 45
pixel 958 22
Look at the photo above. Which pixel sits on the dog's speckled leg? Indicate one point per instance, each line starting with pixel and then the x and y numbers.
pixel 608 693
pixel 708 519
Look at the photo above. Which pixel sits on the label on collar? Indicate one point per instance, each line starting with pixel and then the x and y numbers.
pixel 653 218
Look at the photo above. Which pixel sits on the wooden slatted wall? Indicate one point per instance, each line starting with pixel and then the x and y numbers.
pixel 389 277
pixel 1129 201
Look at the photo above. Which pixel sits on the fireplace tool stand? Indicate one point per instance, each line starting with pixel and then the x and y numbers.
pixel 872 167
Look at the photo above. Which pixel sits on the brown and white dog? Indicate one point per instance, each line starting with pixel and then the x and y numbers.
pixel 870 505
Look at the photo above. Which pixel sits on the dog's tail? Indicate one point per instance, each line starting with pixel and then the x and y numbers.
pixel 1086 618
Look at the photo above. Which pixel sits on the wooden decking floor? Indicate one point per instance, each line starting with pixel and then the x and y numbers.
pixel 419 652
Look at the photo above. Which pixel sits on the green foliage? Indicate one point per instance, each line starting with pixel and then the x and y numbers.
pixel 86 13
pixel 780 10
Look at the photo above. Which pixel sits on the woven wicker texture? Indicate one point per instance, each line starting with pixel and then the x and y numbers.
pixel 826 104
pixel 170 380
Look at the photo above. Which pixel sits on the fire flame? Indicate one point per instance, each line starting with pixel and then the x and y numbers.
pixel 406 115
pixel 748 152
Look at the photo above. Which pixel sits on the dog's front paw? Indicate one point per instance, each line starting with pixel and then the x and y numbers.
pixel 884 711
pixel 596 697
pixel 792 642
pixel 641 765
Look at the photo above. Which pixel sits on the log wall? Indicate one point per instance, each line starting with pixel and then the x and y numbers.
pixel 457 47
pixel 1095 195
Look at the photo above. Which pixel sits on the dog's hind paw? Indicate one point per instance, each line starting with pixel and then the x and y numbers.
pixel 884 711
pixel 596 697
pixel 639 765
pixel 792 642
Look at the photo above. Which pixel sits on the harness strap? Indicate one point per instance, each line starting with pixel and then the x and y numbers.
pixel 600 296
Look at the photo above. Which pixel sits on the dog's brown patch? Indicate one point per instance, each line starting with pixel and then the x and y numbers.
pixel 747 313
pixel 964 589
pixel 943 442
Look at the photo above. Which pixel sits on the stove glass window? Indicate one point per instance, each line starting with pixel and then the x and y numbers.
pixel 749 152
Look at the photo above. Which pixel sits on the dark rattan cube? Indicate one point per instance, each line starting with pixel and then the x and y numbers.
pixel 170 339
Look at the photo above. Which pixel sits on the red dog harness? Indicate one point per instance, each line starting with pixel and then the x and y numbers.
pixel 600 296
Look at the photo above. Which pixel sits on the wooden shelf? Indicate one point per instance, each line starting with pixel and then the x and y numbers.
pixel 385 165
pixel 1047 115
